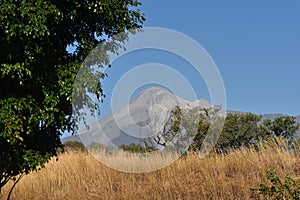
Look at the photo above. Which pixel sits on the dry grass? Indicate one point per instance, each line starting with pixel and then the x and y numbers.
pixel 78 175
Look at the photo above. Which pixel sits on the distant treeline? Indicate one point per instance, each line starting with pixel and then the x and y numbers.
pixel 237 130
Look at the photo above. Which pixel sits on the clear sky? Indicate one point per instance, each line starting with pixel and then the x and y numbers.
pixel 255 45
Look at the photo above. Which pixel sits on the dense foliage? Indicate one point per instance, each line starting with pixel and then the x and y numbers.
pixel 74 146
pixel 37 72
pixel 276 188
pixel 239 130
pixel 136 148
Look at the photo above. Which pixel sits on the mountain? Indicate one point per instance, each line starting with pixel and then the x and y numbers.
pixel 144 115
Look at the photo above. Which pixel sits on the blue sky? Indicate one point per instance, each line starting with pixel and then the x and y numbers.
pixel 255 45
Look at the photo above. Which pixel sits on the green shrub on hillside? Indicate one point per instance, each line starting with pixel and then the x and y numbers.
pixel 289 188
pixel 136 148
pixel 74 145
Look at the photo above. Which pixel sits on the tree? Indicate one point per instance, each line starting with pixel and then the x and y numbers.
pixel 208 119
pixel 240 129
pixel 189 127
pixel 37 72
pixel 175 132
pixel 283 126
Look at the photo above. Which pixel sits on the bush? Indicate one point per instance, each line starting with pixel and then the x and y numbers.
pixel 74 145
pixel 278 189
pixel 135 148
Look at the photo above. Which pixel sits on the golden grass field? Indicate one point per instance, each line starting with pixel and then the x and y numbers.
pixel 78 175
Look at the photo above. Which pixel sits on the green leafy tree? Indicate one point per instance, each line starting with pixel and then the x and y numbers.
pixel 203 120
pixel 189 126
pixel 239 130
pixel 180 128
pixel 37 72
pixel 283 126
pixel 248 129
pixel 205 117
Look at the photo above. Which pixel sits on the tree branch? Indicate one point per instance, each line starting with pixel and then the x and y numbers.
pixel 13 186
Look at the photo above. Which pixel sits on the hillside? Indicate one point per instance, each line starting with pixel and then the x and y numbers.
pixel 78 175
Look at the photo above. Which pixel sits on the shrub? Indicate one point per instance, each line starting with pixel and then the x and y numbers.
pixel 135 148
pixel 74 145
pixel 289 188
